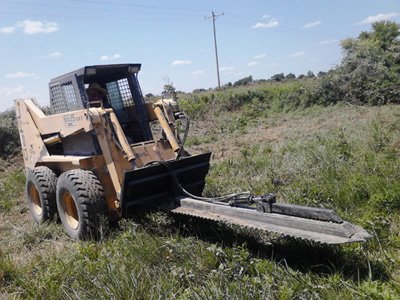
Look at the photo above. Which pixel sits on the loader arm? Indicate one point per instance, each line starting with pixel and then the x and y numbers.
pixel 109 134
pixel 32 144
pixel 163 109
pixel 63 124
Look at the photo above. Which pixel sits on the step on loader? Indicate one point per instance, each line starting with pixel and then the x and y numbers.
pixel 94 160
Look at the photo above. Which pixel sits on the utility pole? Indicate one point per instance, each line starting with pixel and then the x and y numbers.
pixel 214 17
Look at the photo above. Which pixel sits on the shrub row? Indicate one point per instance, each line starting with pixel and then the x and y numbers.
pixel 368 75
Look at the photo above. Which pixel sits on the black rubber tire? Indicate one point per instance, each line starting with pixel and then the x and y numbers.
pixel 41 193
pixel 82 205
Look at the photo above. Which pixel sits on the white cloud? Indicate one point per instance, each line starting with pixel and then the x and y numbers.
pixel 16 91
pixel 328 42
pixel 55 54
pixel 377 18
pixel 19 75
pixel 33 27
pixel 266 16
pixel 298 54
pixel 180 62
pixel 270 24
pixel 106 57
pixel 198 72
pixel 226 68
pixel 7 29
pixel 8 94
pixel 260 56
pixel 309 25
pixel 252 64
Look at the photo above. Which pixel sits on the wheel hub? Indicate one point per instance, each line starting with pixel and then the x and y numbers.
pixel 71 212
pixel 35 199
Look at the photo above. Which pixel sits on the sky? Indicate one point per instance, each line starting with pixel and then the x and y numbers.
pixel 174 40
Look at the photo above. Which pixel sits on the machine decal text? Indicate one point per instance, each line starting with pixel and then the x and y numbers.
pixel 70 120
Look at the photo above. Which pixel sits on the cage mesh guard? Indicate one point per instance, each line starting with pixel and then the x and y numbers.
pixel 119 90
pixel 57 99
pixel 63 97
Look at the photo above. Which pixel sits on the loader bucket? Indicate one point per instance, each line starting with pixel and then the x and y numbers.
pixel 147 188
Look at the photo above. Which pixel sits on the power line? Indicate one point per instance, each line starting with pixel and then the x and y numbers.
pixel 177 14
pixel 113 3
pixel 214 17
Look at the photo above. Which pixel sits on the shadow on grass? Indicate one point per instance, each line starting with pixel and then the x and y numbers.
pixel 301 255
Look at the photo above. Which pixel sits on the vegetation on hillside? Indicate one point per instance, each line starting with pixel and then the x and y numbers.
pixel 370 70
pixel 328 141
pixel 368 75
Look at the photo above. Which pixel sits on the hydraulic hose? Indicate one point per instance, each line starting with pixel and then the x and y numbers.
pixel 187 125
pixel 243 195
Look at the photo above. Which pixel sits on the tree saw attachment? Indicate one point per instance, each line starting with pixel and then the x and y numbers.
pixel 181 181
pixel 316 224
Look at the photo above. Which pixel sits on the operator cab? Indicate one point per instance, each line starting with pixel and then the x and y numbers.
pixel 124 96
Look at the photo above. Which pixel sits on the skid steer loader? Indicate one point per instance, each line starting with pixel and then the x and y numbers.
pixel 93 163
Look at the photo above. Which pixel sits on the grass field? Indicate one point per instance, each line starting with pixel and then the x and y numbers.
pixel 341 157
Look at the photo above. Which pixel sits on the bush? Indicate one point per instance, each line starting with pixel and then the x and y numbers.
pixel 195 107
pixel 243 81
pixel 369 72
pixel 9 136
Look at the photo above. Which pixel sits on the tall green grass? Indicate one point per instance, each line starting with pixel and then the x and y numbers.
pixel 345 158
pixel 137 262
pixel 10 188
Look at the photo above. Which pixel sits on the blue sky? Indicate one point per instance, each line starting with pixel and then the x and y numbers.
pixel 173 40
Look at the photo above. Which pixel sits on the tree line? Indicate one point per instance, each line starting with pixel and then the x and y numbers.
pixel 368 74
